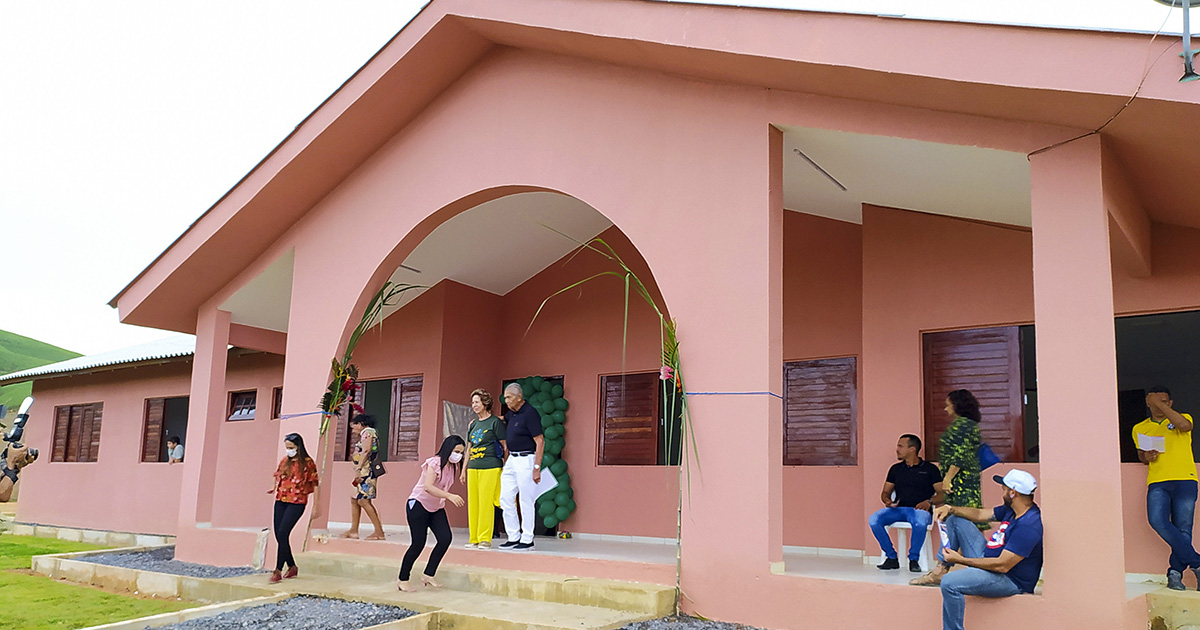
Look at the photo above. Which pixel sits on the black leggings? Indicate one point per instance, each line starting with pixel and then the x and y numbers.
pixel 420 520
pixel 286 517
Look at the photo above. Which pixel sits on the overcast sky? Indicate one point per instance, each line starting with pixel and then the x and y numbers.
pixel 121 122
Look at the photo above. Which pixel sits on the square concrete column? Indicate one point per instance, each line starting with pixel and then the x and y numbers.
pixel 731 329
pixel 206 414
pixel 314 333
pixel 1079 488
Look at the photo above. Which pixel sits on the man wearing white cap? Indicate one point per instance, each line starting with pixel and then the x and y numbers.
pixel 1008 563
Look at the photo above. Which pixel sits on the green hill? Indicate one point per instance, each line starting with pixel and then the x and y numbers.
pixel 21 353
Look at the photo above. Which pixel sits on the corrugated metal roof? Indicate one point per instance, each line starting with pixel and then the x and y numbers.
pixel 169 348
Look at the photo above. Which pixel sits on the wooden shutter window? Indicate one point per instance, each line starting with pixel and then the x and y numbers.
pixel 77 433
pixel 405 429
pixel 629 426
pixel 62 427
pixel 821 412
pixel 277 403
pixel 152 430
pixel 986 361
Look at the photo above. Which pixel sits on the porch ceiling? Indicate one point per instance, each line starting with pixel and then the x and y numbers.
pixel 952 180
pixel 1059 81
pixel 498 245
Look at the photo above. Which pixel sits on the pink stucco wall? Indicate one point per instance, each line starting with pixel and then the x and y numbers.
pixel 119 492
pixel 822 317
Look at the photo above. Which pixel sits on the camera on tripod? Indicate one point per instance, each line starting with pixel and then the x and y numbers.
pixel 13 435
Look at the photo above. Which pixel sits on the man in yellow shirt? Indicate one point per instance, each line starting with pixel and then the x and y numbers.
pixel 1164 442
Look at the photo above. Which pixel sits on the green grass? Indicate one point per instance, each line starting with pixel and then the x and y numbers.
pixel 21 353
pixel 34 602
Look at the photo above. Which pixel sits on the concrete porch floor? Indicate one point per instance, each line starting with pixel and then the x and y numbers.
pixel 623 558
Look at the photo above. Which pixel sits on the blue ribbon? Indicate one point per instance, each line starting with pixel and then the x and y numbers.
pixel 735 394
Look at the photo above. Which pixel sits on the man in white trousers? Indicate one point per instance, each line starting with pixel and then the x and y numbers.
pixel 523 469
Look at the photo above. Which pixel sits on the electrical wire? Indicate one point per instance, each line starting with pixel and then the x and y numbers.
pixel 1147 66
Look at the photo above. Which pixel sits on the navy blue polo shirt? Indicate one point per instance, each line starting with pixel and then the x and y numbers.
pixel 1022 536
pixel 523 425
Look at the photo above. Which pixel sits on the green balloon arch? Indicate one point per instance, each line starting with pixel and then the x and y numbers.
pixel 557 505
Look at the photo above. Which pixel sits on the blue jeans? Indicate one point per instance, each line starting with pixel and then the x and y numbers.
pixel 1170 508
pixel 964 536
pixel 919 519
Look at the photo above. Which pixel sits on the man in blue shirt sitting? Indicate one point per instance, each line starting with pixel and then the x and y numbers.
pixel 1008 563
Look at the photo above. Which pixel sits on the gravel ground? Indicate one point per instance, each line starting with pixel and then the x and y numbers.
pixel 684 622
pixel 299 613
pixel 163 561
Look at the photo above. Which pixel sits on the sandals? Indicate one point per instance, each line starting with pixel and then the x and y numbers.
pixel 933 578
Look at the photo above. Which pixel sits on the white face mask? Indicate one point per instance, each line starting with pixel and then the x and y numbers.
pixel 291 452
pixel 455 458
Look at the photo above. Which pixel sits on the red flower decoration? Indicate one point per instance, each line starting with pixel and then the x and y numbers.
pixel 357 408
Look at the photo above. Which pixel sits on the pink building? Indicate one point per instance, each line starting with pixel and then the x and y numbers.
pixel 848 216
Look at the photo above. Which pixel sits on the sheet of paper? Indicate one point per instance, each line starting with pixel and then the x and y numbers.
pixel 547 483
pixel 1152 443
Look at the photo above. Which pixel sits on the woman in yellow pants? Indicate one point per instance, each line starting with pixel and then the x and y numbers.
pixel 487 448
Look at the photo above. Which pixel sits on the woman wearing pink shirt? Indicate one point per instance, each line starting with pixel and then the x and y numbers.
pixel 427 509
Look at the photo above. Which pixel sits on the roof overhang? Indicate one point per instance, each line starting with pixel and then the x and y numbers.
pixel 1075 80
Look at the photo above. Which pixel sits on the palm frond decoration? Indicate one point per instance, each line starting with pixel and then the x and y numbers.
pixel 671 375
pixel 345 376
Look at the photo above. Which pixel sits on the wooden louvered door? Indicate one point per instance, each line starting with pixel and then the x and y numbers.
pixel 405 429
pixel 821 412
pixel 152 431
pixel 62 429
pixel 987 362
pixel 629 428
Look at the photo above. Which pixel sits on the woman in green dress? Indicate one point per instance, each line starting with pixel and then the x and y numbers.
pixel 958 455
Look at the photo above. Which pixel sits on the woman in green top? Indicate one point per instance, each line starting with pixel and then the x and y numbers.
pixel 958 454
pixel 487 448
pixel 958 451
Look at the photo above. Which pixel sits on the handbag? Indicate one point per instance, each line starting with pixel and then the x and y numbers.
pixel 987 457
pixel 377 469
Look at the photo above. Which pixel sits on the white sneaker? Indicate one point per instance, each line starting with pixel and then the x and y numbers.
pixel 471 546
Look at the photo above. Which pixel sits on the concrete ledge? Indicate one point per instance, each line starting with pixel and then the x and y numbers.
pixel 74 567
pixel 92 536
pixel 166 619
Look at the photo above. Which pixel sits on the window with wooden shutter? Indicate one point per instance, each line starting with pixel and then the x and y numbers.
pixel 276 403
pixel 242 405
pixel 820 426
pixel 77 433
pixel 630 418
pixel 987 362
pixel 405 427
pixel 152 430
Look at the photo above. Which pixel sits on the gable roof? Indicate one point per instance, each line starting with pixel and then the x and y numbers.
pixel 1073 79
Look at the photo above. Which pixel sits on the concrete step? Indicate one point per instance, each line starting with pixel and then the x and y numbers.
pixel 1174 610
pixel 634 597
pixel 458 609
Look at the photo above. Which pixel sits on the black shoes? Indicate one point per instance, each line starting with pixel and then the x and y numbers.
pixel 510 544
pixel 914 566
pixel 889 564
pixel 1175 580
pixel 523 546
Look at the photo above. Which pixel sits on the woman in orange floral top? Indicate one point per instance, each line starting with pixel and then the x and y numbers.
pixel 295 479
